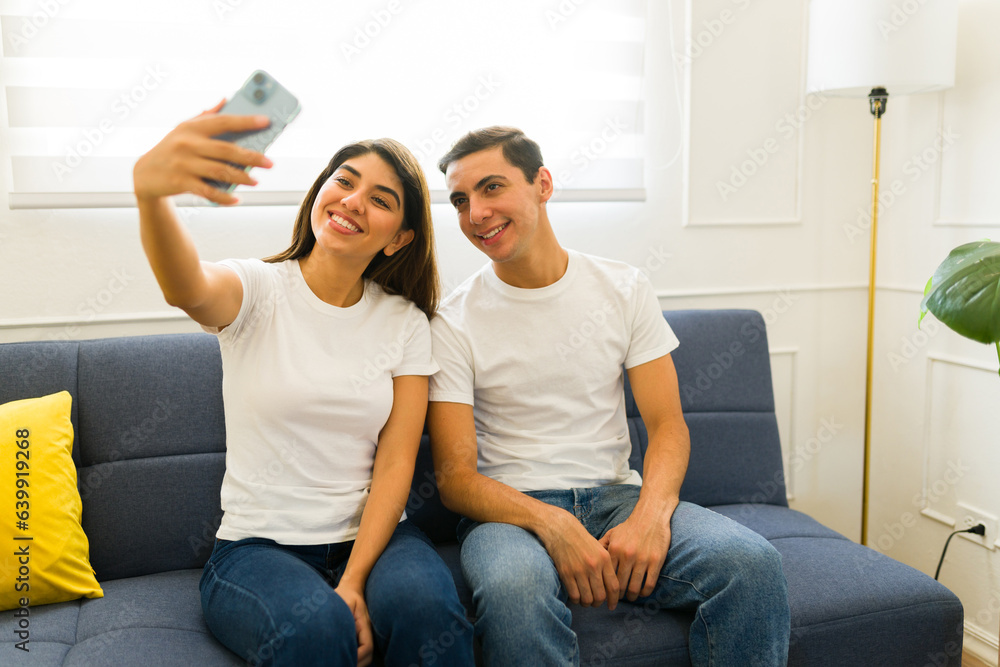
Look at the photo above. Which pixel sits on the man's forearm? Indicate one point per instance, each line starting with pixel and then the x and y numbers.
pixel 482 499
pixel 663 471
pixel 464 490
pixel 656 393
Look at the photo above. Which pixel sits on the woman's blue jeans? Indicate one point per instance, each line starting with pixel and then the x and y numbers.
pixel 729 575
pixel 274 604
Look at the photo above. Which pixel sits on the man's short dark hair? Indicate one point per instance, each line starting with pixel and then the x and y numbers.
pixel 518 149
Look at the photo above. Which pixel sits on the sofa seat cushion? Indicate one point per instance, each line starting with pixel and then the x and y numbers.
pixel 831 577
pixel 51 633
pixel 635 634
pixel 154 617
pixel 830 580
pixel 774 522
pixel 847 599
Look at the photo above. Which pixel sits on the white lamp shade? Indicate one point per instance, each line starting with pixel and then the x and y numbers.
pixel 904 46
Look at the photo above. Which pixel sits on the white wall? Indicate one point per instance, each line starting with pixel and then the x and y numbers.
pixel 936 394
pixel 786 240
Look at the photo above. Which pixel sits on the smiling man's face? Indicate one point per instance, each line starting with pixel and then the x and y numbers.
pixel 498 210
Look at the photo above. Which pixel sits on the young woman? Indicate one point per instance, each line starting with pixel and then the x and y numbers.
pixel 326 352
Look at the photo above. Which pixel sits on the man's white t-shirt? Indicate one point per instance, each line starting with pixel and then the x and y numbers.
pixel 307 387
pixel 542 369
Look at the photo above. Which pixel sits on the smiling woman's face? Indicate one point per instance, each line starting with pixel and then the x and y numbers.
pixel 358 211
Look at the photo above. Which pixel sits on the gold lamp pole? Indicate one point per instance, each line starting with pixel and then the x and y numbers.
pixel 852 55
pixel 877 99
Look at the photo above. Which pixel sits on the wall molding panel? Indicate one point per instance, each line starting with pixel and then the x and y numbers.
pixel 760 180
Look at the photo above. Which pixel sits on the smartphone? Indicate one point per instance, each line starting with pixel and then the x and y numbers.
pixel 260 95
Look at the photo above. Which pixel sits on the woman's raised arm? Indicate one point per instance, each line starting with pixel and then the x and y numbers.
pixel 209 293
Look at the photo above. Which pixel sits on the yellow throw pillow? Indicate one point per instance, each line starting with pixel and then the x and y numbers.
pixel 46 555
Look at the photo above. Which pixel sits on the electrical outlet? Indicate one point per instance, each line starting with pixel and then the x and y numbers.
pixel 969 516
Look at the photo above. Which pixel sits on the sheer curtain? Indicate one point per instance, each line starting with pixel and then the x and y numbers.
pixel 89 85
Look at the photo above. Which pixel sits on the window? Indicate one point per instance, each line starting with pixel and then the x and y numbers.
pixel 89 86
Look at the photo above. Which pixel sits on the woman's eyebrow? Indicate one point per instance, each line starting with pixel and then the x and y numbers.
pixel 383 188
pixel 392 192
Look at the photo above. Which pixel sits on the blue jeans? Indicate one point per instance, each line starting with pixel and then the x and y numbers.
pixel 274 604
pixel 729 575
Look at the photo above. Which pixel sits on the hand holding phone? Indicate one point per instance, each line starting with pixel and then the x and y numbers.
pixel 260 95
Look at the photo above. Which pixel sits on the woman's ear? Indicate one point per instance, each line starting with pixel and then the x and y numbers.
pixel 402 239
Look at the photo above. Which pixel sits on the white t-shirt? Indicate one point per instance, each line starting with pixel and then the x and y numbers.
pixel 307 387
pixel 542 369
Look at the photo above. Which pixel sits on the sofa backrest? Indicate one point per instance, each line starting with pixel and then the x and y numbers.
pixel 150 434
pixel 724 375
pixel 149 445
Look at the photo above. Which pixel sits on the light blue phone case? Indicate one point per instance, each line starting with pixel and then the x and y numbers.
pixel 260 95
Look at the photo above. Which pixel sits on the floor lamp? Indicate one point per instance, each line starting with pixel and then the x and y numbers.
pixel 874 49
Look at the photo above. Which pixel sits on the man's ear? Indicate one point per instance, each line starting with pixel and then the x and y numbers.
pixel 543 180
pixel 402 239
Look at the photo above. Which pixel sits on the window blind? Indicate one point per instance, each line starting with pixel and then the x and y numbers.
pixel 90 86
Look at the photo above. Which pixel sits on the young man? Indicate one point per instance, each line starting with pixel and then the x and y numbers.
pixel 531 444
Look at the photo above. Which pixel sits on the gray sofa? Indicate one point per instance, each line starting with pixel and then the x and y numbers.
pixel 150 443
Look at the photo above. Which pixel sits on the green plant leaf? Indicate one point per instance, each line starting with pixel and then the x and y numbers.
pixel 923 304
pixel 964 292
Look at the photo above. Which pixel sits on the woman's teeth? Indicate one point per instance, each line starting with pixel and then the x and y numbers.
pixel 344 223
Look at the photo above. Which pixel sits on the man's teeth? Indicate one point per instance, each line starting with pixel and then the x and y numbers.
pixel 494 232
pixel 344 223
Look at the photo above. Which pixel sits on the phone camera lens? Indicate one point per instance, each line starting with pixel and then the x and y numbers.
pixel 258 94
pixel 258 78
